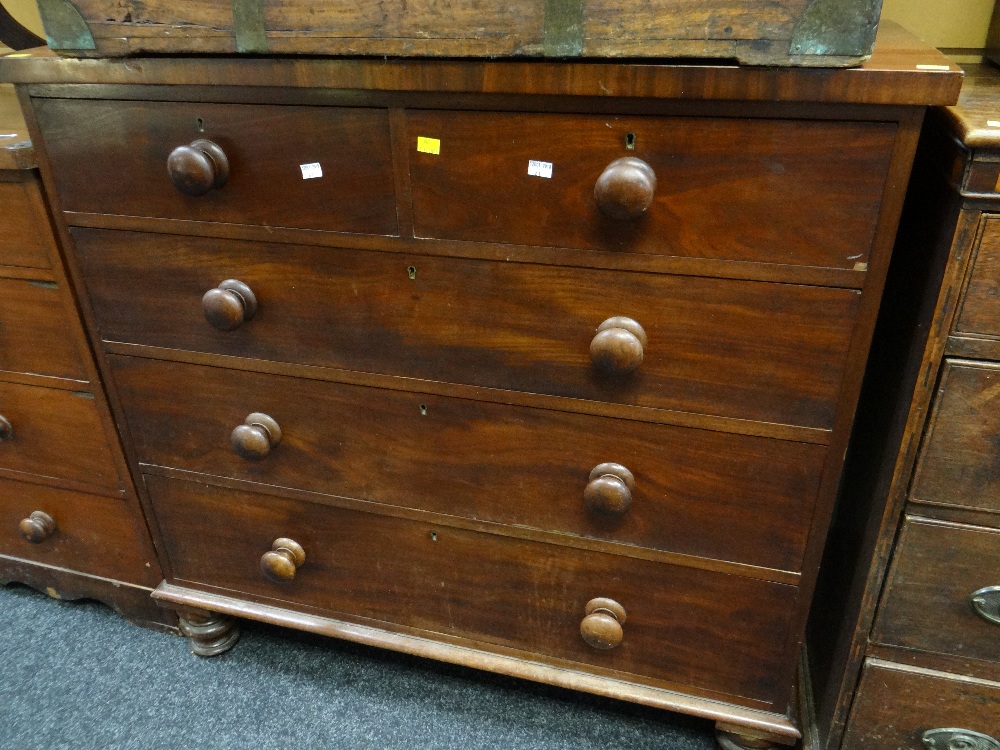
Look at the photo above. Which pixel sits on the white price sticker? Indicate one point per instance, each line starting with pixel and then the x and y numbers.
pixel 311 171
pixel 540 169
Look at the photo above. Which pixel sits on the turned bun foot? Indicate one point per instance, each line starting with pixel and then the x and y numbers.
pixel 209 634
pixel 732 741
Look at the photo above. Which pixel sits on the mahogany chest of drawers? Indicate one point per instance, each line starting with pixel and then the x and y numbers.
pixel 70 521
pixel 543 368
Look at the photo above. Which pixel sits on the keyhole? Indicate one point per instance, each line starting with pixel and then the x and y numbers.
pixel 423 410
pixel 434 536
pixel 411 272
pixel 630 141
pixel 201 125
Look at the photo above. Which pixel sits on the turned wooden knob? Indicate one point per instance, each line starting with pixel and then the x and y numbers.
pixel 254 439
pixel 37 527
pixel 618 346
pixel 228 305
pixel 610 489
pixel 197 168
pixel 625 189
pixel 602 626
pixel 6 428
pixel 286 556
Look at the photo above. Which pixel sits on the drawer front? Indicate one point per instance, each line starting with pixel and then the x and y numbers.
pixel 927 602
pixel 695 492
pixel 55 433
pixel 895 706
pixel 268 149
pixel 35 331
pixel 980 311
pixel 772 191
pixel 958 460
pixel 691 627
pixel 751 350
pixel 25 236
pixel 94 535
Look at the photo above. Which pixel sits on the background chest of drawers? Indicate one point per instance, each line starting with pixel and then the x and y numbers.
pixel 917 657
pixel 70 522
pixel 544 368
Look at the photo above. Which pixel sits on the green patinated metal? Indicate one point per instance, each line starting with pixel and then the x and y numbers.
pixel 248 26
pixel 65 28
pixel 837 27
pixel 563 28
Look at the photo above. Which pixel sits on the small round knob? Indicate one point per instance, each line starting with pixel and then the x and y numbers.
pixel 602 626
pixel 286 557
pixel 618 346
pixel 610 489
pixel 6 428
pixel 254 439
pixel 625 189
pixel 228 305
pixel 37 527
pixel 197 168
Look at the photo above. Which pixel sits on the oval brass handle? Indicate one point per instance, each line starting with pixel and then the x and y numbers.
pixel 610 489
pixel 625 189
pixel 198 167
pixel 6 428
pixel 254 439
pixel 37 527
pixel 958 739
pixel 229 305
pixel 618 346
pixel 986 603
pixel 286 557
pixel 602 626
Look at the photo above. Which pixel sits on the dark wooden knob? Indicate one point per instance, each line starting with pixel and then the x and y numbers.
pixel 286 557
pixel 197 168
pixel 228 305
pixel 618 346
pixel 37 527
pixel 602 626
pixel 254 439
pixel 625 189
pixel 609 491
pixel 6 428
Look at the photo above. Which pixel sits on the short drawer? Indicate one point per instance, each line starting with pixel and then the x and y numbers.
pixel 683 490
pixel 901 708
pixel 95 535
pixel 980 310
pixel 773 191
pixel 36 333
pixel 960 452
pixel 928 602
pixel 55 433
pixel 25 233
pixel 110 157
pixel 714 632
pixel 744 349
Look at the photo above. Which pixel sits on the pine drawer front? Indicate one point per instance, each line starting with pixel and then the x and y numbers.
pixel 906 708
pixel 557 180
pixel 54 432
pixel 943 591
pixel 25 237
pixel 980 312
pixel 85 533
pixel 959 454
pixel 324 168
pixel 682 490
pixel 711 632
pixel 35 330
pixel 729 348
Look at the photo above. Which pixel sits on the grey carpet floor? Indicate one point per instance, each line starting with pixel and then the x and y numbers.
pixel 75 675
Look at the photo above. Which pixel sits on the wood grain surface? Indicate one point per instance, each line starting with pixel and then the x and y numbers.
pixel 25 237
pixel 35 333
pixel 979 314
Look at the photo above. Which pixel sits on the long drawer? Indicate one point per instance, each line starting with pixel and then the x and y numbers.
pixel 89 534
pixel 937 571
pixel 56 433
pixel 749 350
pixel 810 190
pixel 695 492
pixel 35 331
pixel 25 239
pixel 713 632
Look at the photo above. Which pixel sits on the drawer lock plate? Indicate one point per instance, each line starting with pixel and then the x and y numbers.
pixel 986 602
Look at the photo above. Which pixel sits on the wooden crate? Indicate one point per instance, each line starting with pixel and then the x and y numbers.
pixel 754 32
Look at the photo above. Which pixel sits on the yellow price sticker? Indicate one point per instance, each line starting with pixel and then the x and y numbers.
pixel 428 145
